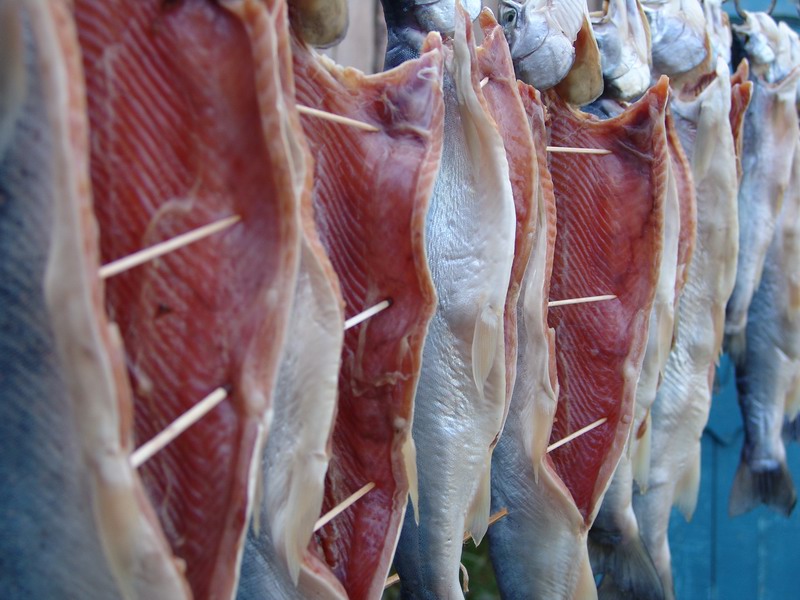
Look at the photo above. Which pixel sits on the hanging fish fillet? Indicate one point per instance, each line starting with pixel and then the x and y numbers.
pixel 192 114
pixel 371 197
pixel 298 449
pixel 681 46
pixel 505 107
pixel 767 377
pixel 75 521
pixel 552 516
pixel 719 29
pixel 681 408
pixel 770 134
pixel 623 36
pixel 461 400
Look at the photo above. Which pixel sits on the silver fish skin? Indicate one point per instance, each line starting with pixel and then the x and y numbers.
pixel 541 36
pixel 76 522
pixel 623 36
pixel 770 133
pixel 767 378
pixel 461 400
pixel 678 35
pixel 682 404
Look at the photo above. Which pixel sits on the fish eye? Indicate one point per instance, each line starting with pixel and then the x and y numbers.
pixel 508 16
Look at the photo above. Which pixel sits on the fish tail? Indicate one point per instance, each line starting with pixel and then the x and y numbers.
pixel 628 570
pixel 771 485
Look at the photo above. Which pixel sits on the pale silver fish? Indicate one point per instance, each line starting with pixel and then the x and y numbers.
pixel 770 134
pixel 76 522
pixel 623 36
pixel 768 376
pixel 680 411
pixel 461 397
pixel 680 42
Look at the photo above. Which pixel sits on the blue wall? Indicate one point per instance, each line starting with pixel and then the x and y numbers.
pixel 751 557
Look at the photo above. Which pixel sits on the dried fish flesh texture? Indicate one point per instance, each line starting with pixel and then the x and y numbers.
pixel 371 197
pixel 213 314
pixel 719 29
pixel 741 92
pixel 680 411
pixel 461 399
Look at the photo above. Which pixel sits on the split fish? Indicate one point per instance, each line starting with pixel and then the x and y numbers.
pixel 552 500
pixel 623 36
pixel 680 410
pixel 371 196
pixel 770 134
pixel 767 377
pixel 76 522
pixel 461 399
pixel 718 25
pixel 215 314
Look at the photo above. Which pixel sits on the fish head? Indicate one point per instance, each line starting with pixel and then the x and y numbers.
pixel 760 36
pixel 320 23
pixel 678 35
pixel 542 48
pixel 440 15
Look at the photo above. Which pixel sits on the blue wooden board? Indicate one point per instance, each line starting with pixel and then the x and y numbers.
pixel 751 557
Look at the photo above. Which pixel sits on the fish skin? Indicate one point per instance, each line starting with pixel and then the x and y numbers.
pixel 371 196
pixel 541 36
pixel 461 398
pixel 50 544
pixel 719 29
pixel 767 378
pixel 623 36
pixel 680 411
pixel 766 170
pixel 153 74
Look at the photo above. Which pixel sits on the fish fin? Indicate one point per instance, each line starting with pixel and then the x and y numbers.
pixel 409 452
pixel 478 514
pixel 688 487
pixel 641 455
pixel 628 570
pixel 585 588
pixel 772 486
pixel 484 345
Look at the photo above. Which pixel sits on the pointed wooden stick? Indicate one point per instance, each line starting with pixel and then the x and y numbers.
pixel 138 258
pixel 392 579
pixel 342 506
pixel 321 114
pixel 484 81
pixel 570 150
pixel 553 303
pixel 576 434
pixel 464 578
pixel 177 427
pixel 370 312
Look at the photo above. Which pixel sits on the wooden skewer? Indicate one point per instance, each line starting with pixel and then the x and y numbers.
pixel 391 580
pixel 484 81
pixel 142 256
pixel 570 150
pixel 321 114
pixel 342 506
pixel 464 578
pixel 576 434
pixel 363 316
pixel 177 427
pixel 553 303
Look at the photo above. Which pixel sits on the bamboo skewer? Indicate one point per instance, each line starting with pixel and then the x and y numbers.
pixel 570 150
pixel 584 300
pixel 142 256
pixel 177 427
pixel 576 434
pixel 370 312
pixel 392 579
pixel 321 114
pixel 343 506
